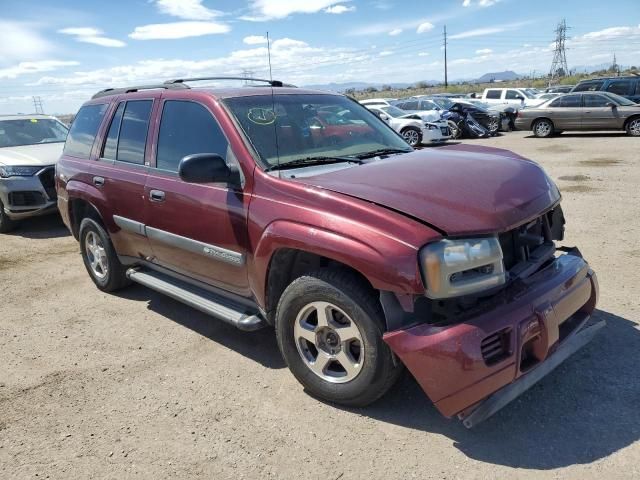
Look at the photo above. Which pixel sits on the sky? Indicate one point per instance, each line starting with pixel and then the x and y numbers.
pixel 64 51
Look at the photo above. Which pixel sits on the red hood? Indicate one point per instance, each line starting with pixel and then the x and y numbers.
pixel 460 190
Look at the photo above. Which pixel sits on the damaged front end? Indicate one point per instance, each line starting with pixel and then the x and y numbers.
pixel 473 354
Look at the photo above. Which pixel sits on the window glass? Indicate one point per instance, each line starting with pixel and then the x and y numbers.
pixel 31 131
pixel 187 128
pixel 494 94
pixel 133 131
pixel 428 105
pixel 111 144
pixel 595 101
pixel 567 101
pixel 621 87
pixel 413 105
pixel 513 95
pixel 592 86
pixel 84 129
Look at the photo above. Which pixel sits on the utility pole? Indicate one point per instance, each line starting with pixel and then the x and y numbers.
pixel 446 81
pixel 37 105
pixel 559 66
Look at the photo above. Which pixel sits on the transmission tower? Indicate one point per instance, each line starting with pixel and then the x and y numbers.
pixel 559 67
pixel 37 104
pixel 247 75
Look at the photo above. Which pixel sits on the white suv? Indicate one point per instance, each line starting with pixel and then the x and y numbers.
pixel 30 145
pixel 513 97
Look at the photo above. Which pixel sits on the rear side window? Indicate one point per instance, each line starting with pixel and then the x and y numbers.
pixel 111 145
pixel 592 86
pixel 621 87
pixel 133 131
pixel 493 94
pixel 187 128
pixel 567 101
pixel 84 129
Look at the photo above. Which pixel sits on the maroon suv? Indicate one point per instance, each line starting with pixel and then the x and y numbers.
pixel 365 255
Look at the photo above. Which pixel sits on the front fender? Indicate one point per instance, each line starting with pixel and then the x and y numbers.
pixel 387 264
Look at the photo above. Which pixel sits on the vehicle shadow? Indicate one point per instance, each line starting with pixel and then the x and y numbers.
pixel 47 226
pixel 259 346
pixel 583 411
pixel 585 135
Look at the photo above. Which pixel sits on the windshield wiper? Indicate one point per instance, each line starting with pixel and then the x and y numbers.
pixel 381 151
pixel 308 161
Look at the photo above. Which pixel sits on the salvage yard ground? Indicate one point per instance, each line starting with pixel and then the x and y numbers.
pixel 136 385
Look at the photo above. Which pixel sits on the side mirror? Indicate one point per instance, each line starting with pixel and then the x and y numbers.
pixel 611 105
pixel 206 168
pixel 519 97
pixel 383 116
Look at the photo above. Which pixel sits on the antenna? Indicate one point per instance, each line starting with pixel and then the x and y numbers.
pixel 273 105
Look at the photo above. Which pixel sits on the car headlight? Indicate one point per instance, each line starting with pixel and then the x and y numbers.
pixel 453 268
pixel 431 126
pixel 9 171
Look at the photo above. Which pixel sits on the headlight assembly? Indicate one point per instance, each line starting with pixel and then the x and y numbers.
pixel 452 268
pixel 9 171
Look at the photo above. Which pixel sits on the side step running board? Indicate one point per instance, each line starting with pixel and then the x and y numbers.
pixel 207 302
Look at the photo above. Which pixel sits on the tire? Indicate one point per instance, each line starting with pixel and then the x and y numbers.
pixel 6 224
pixel 493 125
pixel 412 135
pixel 100 258
pixel 456 131
pixel 633 127
pixel 349 304
pixel 543 128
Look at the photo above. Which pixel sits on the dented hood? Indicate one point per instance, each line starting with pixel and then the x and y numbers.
pixel 459 190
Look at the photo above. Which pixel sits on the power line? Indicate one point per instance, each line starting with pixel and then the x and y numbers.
pixel 446 81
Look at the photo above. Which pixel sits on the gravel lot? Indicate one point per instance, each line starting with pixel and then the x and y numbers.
pixel 136 385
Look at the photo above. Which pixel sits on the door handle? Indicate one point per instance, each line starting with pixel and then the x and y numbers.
pixel 156 196
pixel 98 181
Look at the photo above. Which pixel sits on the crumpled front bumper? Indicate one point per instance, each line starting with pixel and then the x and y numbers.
pixel 534 321
pixel 42 205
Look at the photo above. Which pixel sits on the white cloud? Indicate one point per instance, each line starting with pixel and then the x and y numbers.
pixel 21 42
pixel 385 53
pixel 161 31
pixel 187 9
pixel 395 31
pixel 387 25
pixel 479 32
pixel 25 68
pixel 255 40
pixel 423 54
pixel 92 35
pixel 424 27
pixel 338 9
pixel 612 32
pixel 480 3
pixel 263 10
pixel 484 51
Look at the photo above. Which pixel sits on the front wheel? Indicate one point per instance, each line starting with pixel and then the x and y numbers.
pixel 412 136
pixel 6 224
pixel 329 327
pixel 543 128
pixel 456 131
pixel 633 127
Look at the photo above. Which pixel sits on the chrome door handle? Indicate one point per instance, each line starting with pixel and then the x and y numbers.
pixel 156 196
pixel 98 181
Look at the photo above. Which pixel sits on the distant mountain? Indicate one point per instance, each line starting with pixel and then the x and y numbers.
pixel 505 76
pixel 341 87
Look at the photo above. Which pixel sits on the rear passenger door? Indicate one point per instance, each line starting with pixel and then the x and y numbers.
pixel 199 230
pixel 121 172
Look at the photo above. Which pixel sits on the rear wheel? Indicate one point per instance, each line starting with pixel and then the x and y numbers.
pixel 633 127
pixel 543 128
pixel 100 258
pixel 6 224
pixel 329 327
pixel 412 136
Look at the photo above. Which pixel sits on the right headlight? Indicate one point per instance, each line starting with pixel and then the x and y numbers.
pixel 452 268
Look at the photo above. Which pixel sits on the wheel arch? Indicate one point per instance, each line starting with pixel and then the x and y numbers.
pixel 79 209
pixel 630 119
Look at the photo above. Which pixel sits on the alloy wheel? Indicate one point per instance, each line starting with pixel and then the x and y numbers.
pixel 329 342
pixel 97 255
pixel 543 129
pixel 634 127
pixel 412 137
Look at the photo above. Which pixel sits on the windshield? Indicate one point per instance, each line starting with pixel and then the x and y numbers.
pixel 304 126
pixel 31 131
pixel 394 111
pixel 444 103
pixel 625 102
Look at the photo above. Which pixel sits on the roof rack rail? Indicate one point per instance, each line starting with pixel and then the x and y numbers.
pixel 273 83
pixel 117 91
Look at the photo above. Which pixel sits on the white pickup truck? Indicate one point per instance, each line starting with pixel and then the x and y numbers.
pixel 513 97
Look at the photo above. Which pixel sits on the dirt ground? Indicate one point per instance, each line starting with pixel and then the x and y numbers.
pixel 136 385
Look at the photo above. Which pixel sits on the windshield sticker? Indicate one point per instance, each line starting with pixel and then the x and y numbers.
pixel 33 120
pixel 261 116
